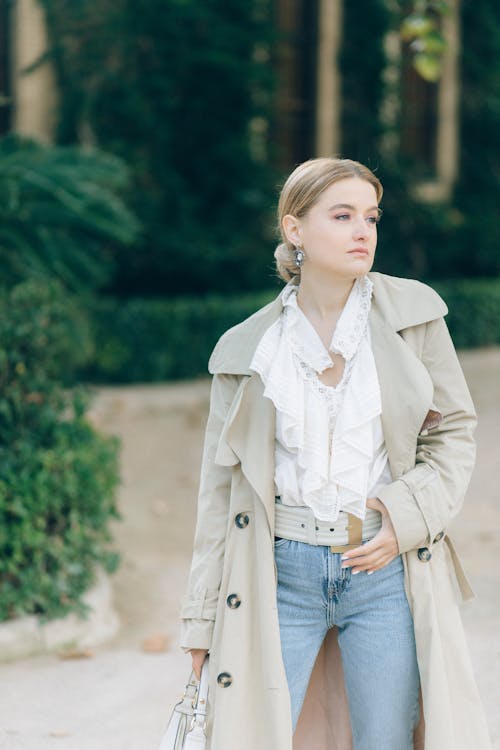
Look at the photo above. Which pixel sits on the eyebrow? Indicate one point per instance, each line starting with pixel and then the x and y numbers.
pixel 353 208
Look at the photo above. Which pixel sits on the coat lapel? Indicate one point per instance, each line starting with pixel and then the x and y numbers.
pixel 250 435
pixel 406 391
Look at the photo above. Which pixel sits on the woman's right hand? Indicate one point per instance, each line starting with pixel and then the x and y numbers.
pixel 198 657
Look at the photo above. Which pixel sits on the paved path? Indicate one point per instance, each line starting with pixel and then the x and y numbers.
pixel 119 698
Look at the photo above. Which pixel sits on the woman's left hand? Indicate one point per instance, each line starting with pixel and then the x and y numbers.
pixel 380 550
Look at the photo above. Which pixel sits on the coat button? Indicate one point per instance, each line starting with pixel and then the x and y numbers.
pixel 241 520
pixel 233 601
pixel 224 679
pixel 424 554
pixel 439 537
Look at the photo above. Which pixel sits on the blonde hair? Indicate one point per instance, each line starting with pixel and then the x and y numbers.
pixel 302 190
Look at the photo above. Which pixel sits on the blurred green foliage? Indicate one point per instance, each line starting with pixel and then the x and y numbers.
pixel 476 241
pixel 187 91
pixel 178 89
pixel 158 339
pixel 57 475
pixel 161 339
pixel 60 213
pixel 449 238
pixel 362 81
pixel 422 29
pixel 474 311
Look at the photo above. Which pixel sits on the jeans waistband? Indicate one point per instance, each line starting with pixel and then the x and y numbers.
pixel 300 524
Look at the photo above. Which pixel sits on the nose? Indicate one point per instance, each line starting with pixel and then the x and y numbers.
pixel 360 229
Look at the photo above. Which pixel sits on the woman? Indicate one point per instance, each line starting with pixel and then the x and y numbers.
pixel 339 446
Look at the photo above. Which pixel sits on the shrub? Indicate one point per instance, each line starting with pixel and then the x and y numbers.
pixel 60 212
pixel 57 475
pixel 183 91
pixel 162 339
pixel 474 310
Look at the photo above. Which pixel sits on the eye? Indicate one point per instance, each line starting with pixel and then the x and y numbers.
pixel 373 219
pixel 343 216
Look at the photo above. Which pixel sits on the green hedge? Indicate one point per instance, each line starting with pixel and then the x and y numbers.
pixel 474 311
pixel 153 340
pixel 57 475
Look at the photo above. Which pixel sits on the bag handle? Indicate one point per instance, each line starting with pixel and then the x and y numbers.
pixel 200 708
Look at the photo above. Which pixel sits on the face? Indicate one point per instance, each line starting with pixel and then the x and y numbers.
pixel 339 233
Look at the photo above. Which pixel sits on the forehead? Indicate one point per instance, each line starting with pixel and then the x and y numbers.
pixel 354 191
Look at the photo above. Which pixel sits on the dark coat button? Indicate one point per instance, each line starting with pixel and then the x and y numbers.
pixel 224 679
pixel 424 554
pixel 233 601
pixel 241 520
pixel 439 537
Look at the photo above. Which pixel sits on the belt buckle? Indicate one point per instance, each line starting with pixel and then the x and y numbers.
pixel 355 535
pixel 342 547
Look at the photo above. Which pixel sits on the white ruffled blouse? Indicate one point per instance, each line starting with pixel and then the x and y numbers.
pixel 330 453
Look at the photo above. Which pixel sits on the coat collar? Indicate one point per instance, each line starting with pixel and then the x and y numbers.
pixel 397 303
pixel 248 432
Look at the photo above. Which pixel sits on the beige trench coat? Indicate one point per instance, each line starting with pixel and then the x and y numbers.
pixel 230 603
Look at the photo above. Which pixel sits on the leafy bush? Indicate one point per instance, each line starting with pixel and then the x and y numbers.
pixel 57 475
pixel 60 212
pixel 457 237
pixel 160 339
pixel 182 91
pixel 478 235
pixel 152 340
pixel 474 310
pixel 193 94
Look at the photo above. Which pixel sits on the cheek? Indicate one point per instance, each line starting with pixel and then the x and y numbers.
pixel 332 229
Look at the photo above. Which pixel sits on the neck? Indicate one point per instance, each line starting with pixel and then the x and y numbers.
pixel 323 295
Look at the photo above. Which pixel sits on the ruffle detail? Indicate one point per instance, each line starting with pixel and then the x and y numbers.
pixel 349 331
pixel 324 456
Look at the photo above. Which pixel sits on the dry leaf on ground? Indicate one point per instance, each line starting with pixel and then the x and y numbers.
pixel 76 653
pixel 156 643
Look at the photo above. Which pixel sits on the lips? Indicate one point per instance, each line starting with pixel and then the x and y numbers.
pixel 359 250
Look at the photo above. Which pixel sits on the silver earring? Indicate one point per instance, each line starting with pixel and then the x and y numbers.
pixel 299 257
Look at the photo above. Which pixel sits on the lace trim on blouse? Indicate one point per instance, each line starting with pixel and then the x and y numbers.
pixel 311 357
pixel 323 456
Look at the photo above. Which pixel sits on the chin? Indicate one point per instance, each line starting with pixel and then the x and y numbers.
pixel 364 265
pixel 359 269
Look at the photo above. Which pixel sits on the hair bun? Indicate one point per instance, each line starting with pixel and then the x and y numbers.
pixel 285 262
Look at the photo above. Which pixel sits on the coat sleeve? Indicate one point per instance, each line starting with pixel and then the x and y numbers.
pixel 422 502
pixel 199 604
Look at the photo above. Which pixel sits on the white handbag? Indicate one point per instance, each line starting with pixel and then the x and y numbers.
pixel 187 723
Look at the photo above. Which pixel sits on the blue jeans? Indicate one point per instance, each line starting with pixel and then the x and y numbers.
pixel 375 633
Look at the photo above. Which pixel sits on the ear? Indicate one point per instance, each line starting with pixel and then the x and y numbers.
pixel 291 229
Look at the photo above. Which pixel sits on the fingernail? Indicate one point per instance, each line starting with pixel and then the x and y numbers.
pixel 354 572
pixel 370 572
pixel 344 558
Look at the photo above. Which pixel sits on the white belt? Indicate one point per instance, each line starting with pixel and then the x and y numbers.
pixel 299 523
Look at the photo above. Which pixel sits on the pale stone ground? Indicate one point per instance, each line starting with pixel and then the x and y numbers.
pixel 119 699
